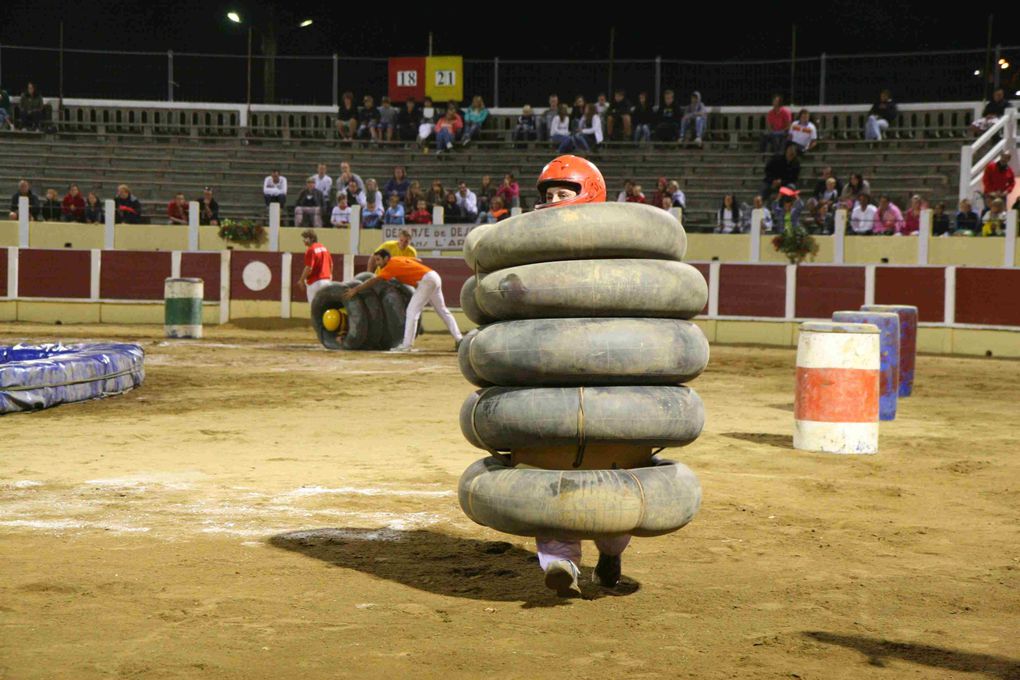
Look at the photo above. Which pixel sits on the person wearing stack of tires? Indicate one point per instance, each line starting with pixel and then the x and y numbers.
pixel 582 351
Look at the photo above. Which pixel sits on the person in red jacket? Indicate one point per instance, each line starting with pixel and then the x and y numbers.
pixel 318 271
pixel 72 208
pixel 177 209
pixel 447 129
pixel 998 180
pixel 421 214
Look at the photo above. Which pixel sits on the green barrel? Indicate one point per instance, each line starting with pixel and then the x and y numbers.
pixel 183 307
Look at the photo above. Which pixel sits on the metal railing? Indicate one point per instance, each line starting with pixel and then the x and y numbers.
pixel 999 138
pixel 318 79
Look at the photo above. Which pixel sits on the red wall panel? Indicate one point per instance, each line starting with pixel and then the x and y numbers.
pixel 54 273
pixel 3 272
pixel 822 290
pixel 240 260
pixel 205 266
pixel 752 290
pixel 130 275
pixel 987 296
pixel 923 287
pixel 454 272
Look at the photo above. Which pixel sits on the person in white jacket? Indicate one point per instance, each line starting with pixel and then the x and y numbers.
pixel 862 219
pixel 274 189
pixel 589 129
pixel 467 201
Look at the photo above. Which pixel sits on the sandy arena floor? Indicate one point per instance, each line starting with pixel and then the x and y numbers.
pixel 262 508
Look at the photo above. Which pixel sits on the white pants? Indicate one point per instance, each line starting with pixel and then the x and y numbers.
pixel 550 549
pixel 430 290
pixel 424 130
pixel 313 288
pixel 874 128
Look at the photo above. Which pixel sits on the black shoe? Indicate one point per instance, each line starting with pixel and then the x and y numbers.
pixel 607 571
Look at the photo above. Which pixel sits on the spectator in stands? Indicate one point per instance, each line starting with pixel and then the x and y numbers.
pixel 93 209
pixel 589 130
pixel 414 193
pixel 308 207
pixel 667 117
pixel 447 129
pixel 387 120
pixel 51 207
pixel 912 217
pixel 177 209
pixel 601 105
pixel 527 127
pixel 642 118
pixel 560 131
pixel 577 110
pixel 636 195
pixel 966 220
pixel 357 196
pixel 727 218
pixel 777 126
pixel 993 222
pixel 347 117
pixel 803 133
pixel 420 215
pixel 452 212
pixel 781 170
pixel 72 208
pixel 436 194
pixel 274 189
pixel 25 189
pixel 823 181
pixel 856 186
pixel 766 216
pixel 398 184
pixel 667 203
pixel 467 201
pixel 695 116
pixel 474 119
pixel 618 118
pixel 998 179
pixel 822 204
pixel 993 111
pixel 408 121
pixel 889 219
pixel 31 109
pixel 864 216
pixel 940 220
pixel 372 189
pixel 497 212
pixel 323 182
pixel 786 210
pixel 660 191
pixel 881 116
pixel 486 192
pixel 545 120
pixel 368 119
pixel 209 209
pixel 340 217
pixel 427 125
pixel 346 175
pixel 678 196
pixel 127 205
pixel 395 213
pixel 372 215
pixel 6 119
pixel 510 191
pixel 628 189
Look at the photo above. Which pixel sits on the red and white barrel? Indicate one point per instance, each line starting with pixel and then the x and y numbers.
pixel 836 403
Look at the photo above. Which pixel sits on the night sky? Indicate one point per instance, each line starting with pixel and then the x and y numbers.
pixel 686 30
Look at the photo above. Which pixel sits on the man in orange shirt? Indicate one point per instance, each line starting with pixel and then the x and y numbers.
pixel 318 271
pixel 428 289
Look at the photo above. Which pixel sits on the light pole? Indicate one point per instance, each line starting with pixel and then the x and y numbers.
pixel 269 49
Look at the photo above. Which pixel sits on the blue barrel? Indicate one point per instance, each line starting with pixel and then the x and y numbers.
pixel 908 342
pixel 889 346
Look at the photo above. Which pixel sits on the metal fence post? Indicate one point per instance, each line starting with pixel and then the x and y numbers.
pixel 169 75
pixel 658 81
pixel 495 82
pixel 336 80
pixel 821 82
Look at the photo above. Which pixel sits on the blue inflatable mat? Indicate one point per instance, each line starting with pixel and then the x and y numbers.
pixel 34 377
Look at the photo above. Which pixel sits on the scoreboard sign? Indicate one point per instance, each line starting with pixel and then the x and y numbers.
pixel 407 78
pixel 441 78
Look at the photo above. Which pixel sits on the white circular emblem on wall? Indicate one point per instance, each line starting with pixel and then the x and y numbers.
pixel 257 275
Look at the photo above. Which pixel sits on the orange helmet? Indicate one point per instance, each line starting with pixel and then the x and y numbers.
pixel 577 173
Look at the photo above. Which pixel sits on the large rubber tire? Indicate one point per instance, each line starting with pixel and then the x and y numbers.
pixel 331 297
pixel 594 230
pixel 376 335
pixel 600 288
pixel 363 276
pixel 579 504
pixel 571 352
pixel 468 304
pixel 508 418
pixel 463 359
pixel 394 307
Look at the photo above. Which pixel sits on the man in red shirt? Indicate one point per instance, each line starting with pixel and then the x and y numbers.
pixel 177 209
pixel 318 271
pixel 998 180
pixel 777 126
pixel 428 289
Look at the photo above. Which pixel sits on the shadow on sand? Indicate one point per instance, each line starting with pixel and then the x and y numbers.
pixel 782 441
pixel 440 564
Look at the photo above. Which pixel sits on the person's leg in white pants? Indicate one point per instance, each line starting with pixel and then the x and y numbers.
pixel 430 289
pixel 314 288
pixel 551 550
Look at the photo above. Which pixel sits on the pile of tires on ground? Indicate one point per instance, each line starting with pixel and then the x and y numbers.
pixel 371 320
pixel 584 344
